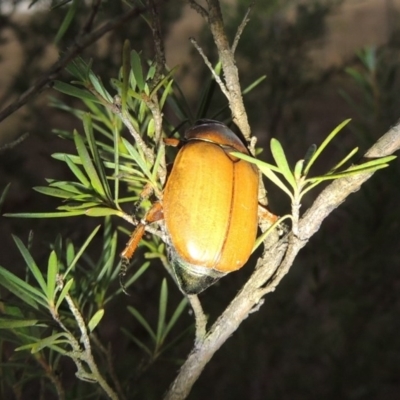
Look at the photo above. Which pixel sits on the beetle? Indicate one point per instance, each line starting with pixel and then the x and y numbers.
pixel 209 207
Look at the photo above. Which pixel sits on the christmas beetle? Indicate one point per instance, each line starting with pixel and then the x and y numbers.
pixel 209 207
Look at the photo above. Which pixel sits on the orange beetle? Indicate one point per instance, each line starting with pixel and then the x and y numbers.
pixel 209 206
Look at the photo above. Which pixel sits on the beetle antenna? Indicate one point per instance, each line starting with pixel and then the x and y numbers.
pixel 122 274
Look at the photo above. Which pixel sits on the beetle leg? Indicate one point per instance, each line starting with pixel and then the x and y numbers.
pixel 172 142
pixel 147 191
pixel 154 214
pixel 266 217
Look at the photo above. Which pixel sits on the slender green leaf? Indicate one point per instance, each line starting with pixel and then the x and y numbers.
pixel 178 311
pixel 88 165
pixel 137 342
pixel 81 250
pixel 274 178
pixel 95 320
pixel 281 162
pixel 345 159
pixel 54 192
pixel 126 69
pixel 253 85
pixel 14 323
pixel 142 322
pixel 31 264
pixel 162 310
pixel 74 91
pixel 65 290
pixel 371 163
pixel 76 171
pixel 103 211
pixel 4 195
pixel 347 173
pixel 99 87
pixel 46 214
pixel 21 289
pixel 67 21
pixel 87 123
pixel 324 144
pixel 52 270
pixel 137 69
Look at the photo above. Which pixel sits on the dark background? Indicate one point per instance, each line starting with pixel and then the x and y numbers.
pixel 330 330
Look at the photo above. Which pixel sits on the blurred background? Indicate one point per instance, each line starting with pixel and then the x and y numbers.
pixel 331 329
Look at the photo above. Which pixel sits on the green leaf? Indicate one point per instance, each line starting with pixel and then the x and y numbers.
pixel 22 289
pixel 138 342
pixel 142 322
pixel 87 123
pixel 274 178
pixel 46 214
pixel 137 69
pixel 345 159
pixel 14 323
pixel 64 292
pixel 4 195
pixel 281 162
pixel 324 144
pixel 162 311
pixel 94 321
pixel 253 85
pixel 31 264
pixel 88 165
pixel 102 212
pixel 54 192
pixel 126 69
pixel 178 311
pixel 52 270
pixel 67 21
pixel 82 250
pixel 74 91
pixel 76 171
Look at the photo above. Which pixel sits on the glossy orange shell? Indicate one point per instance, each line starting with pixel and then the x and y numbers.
pixel 210 202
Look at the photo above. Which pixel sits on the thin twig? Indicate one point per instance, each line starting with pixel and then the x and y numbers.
pixel 95 373
pixel 200 9
pixel 241 27
pixel 200 318
pixel 211 68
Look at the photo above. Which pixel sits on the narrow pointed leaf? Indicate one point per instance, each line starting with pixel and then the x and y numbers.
pixel 324 144
pixel 274 178
pixel 137 69
pixel 142 322
pixel 87 123
pixel 46 214
pixel 4 194
pixel 76 171
pixel 88 165
pixel 14 323
pixel 82 250
pixel 281 162
pixel 52 270
pixel 162 311
pixel 74 91
pixel 21 289
pixel 64 292
pixel 345 159
pixel 178 311
pixel 103 212
pixel 137 342
pixel 95 320
pixel 31 264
